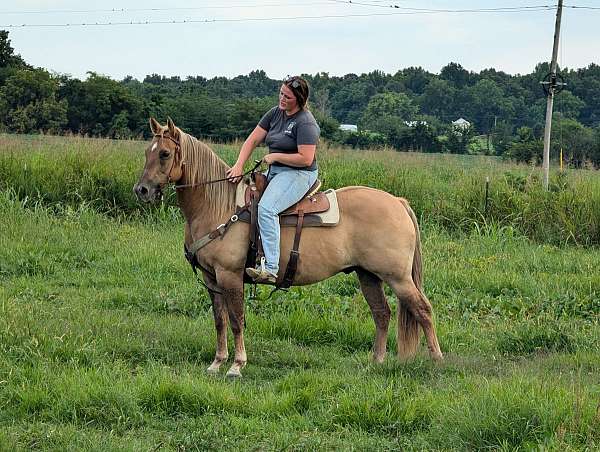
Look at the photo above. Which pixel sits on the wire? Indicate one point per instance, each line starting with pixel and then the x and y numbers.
pixel 581 7
pixel 124 10
pixel 428 10
pixel 410 11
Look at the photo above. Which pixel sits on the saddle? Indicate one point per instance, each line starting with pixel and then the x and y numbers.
pixel 314 209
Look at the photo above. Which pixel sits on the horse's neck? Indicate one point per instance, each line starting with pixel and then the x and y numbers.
pixel 197 205
pixel 194 207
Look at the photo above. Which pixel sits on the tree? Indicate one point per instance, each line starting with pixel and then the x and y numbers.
pixel 503 137
pixel 100 106
pixel 459 139
pixel 595 155
pixel 386 105
pixel 422 135
pixel 455 74
pixel 328 125
pixel 414 79
pixel 28 102
pixel 568 105
pixel 526 148
pixel 487 102
pixel 387 113
pixel 8 58
pixel 439 100
pixel 575 139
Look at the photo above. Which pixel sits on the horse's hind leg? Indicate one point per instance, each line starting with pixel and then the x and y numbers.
pixel 372 289
pixel 413 303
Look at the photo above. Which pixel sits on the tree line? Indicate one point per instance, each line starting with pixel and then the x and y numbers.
pixel 412 109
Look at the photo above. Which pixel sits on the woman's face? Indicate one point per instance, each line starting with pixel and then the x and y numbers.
pixel 287 100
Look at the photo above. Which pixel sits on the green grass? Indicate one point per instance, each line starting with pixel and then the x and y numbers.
pixel 445 190
pixel 105 337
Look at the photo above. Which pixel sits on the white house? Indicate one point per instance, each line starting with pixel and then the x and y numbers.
pixel 415 123
pixel 349 127
pixel 461 123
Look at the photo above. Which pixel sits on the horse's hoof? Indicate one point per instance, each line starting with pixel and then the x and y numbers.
pixel 233 374
pixel 212 371
pixel 437 357
pixel 378 360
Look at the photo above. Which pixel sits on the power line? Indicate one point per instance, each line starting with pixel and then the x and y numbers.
pixel 581 7
pixel 437 10
pixel 410 11
pixel 126 10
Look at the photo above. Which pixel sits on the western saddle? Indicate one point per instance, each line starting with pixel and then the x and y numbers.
pixel 299 215
pixel 306 212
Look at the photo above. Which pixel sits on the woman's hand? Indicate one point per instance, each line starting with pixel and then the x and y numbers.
pixel 235 173
pixel 269 159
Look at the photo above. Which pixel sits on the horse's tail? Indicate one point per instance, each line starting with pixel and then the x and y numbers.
pixel 408 329
pixel 417 266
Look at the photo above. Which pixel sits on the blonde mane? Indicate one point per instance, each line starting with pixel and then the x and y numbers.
pixel 201 164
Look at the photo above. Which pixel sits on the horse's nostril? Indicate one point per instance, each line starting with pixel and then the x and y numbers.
pixel 140 190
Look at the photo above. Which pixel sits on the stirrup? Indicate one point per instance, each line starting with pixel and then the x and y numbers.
pixel 260 274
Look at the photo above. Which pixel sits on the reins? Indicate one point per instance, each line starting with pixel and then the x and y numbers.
pixel 198 184
pixel 257 164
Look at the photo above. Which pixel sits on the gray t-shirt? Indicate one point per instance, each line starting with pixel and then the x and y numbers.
pixel 286 133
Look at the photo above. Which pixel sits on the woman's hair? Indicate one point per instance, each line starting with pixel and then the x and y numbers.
pixel 299 87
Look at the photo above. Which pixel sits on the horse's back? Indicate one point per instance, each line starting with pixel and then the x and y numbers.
pixel 375 232
pixel 372 206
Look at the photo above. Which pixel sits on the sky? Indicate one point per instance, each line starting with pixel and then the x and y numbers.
pixel 238 36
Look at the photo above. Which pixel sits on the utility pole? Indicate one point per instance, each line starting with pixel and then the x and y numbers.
pixel 551 89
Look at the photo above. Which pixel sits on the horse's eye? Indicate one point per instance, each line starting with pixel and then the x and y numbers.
pixel 163 155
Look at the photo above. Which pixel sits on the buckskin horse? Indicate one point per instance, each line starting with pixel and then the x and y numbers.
pixel 377 237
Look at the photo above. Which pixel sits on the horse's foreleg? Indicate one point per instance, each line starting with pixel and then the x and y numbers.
pixel 233 297
pixel 220 316
pixel 372 289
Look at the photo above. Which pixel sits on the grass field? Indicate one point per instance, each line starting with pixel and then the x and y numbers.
pixel 105 336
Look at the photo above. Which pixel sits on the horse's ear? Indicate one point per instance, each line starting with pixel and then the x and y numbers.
pixel 172 129
pixel 155 126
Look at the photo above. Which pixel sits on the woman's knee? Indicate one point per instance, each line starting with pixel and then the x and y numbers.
pixel 265 210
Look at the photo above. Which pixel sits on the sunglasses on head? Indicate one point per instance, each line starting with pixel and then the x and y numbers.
pixel 292 81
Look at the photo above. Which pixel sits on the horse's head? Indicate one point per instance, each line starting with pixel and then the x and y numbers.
pixel 163 161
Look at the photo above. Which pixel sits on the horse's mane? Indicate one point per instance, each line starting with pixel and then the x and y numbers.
pixel 201 165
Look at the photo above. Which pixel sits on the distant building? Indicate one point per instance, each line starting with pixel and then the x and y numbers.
pixel 349 127
pixel 461 123
pixel 415 123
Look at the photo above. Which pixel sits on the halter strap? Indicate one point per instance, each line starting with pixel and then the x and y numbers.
pixel 177 150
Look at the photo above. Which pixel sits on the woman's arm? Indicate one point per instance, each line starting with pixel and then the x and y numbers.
pixel 304 157
pixel 256 137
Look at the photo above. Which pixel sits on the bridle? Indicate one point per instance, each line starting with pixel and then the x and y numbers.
pixel 197 184
pixel 177 153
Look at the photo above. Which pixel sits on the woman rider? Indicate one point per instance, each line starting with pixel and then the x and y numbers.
pixel 291 134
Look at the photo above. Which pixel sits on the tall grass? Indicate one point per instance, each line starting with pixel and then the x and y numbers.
pixel 445 190
pixel 105 338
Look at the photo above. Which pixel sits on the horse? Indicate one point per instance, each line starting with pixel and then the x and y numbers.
pixel 377 237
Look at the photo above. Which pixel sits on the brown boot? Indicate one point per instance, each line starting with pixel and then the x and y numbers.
pixel 261 276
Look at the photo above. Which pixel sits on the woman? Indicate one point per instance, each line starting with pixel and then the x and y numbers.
pixel 291 133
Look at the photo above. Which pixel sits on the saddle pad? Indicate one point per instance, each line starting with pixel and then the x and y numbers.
pixel 331 216
pixel 240 193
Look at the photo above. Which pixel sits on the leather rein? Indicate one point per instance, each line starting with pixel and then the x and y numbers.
pixel 198 184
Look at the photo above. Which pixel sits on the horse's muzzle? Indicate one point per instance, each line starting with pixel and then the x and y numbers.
pixel 146 193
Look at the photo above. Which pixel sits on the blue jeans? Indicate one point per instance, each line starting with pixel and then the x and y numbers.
pixel 286 187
